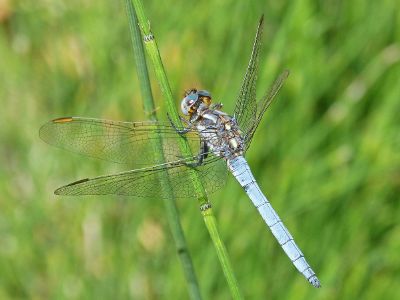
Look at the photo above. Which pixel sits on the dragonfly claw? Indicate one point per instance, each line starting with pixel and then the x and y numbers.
pixel 180 131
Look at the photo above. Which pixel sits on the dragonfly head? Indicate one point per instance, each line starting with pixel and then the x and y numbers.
pixel 195 99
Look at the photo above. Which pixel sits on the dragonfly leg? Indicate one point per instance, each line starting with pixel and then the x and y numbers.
pixel 216 106
pixel 180 131
pixel 201 156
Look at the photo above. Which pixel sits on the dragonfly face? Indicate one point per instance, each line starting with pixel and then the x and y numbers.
pixel 195 100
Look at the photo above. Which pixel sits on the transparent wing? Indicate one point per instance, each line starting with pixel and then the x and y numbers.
pixel 248 112
pixel 153 182
pixel 134 143
pixel 246 106
pixel 262 106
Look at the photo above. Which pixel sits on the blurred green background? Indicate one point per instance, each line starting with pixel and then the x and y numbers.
pixel 327 154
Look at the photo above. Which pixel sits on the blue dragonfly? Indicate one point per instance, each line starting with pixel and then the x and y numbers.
pixel 219 140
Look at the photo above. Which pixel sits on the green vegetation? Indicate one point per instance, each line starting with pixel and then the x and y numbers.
pixel 327 154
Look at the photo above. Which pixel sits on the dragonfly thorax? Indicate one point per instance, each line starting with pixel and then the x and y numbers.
pixel 221 134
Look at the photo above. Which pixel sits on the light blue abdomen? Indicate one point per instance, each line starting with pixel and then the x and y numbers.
pixel 240 169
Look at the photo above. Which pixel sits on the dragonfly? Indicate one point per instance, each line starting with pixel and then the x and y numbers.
pixel 218 140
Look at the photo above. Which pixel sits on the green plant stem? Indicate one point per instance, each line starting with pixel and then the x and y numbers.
pixel 140 61
pixel 222 254
pixel 149 108
pixel 209 219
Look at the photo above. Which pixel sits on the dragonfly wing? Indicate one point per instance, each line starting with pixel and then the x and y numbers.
pixel 263 104
pixel 246 106
pixel 153 182
pixel 248 112
pixel 134 143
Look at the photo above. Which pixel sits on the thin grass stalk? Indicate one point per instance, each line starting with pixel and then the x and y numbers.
pixel 150 111
pixel 140 62
pixel 204 204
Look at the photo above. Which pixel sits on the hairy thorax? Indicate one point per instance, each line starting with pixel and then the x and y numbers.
pixel 221 133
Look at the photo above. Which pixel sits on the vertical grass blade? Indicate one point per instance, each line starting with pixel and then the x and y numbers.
pixel 140 61
pixel 204 204
pixel 149 108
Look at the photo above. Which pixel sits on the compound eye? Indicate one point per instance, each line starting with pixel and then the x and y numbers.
pixel 186 105
pixel 192 97
pixel 204 93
